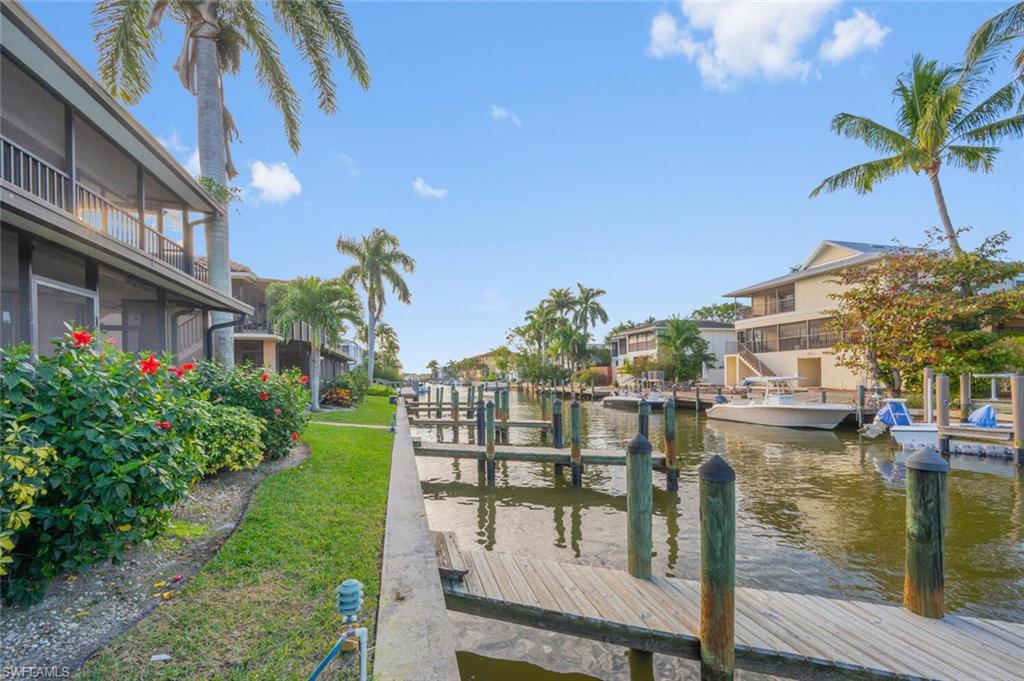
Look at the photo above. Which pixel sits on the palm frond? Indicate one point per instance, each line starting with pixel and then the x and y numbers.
pixel 306 31
pixel 125 46
pixel 270 71
pixel 875 135
pixel 988 111
pixel 994 37
pixel 971 158
pixel 230 44
pixel 338 25
pixel 1012 127
pixel 398 285
pixel 863 177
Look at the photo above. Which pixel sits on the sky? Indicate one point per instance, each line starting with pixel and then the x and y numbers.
pixel 661 151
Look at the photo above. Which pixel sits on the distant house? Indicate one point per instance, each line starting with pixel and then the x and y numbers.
pixel 784 332
pixel 258 343
pixel 97 220
pixel 642 341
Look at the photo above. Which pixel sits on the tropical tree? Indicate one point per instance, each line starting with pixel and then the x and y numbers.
pixel 387 338
pixel 433 365
pixel 324 305
pixel 937 124
pixel 379 263
pixel 216 36
pixel 682 351
pixel 718 312
pixel 587 311
pixel 561 301
pixel 997 36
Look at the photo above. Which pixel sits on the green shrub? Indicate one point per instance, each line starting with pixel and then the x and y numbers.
pixel 380 390
pixel 124 455
pixel 24 466
pixel 231 438
pixel 355 382
pixel 278 399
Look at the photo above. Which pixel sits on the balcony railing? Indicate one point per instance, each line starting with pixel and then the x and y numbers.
pixel 30 174
pixel 258 321
pixel 34 176
pixel 815 341
pixel 770 306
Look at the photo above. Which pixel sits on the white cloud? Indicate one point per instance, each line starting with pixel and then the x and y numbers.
pixel 349 164
pixel 500 114
pixel 858 33
pixel 426 191
pixel 188 156
pixel 736 40
pixel 275 182
pixel 192 164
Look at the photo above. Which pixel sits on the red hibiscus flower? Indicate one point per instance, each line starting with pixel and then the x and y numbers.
pixel 295 437
pixel 80 339
pixel 188 366
pixel 149 365
pixel 304 380
pixel 264 377
pixel 177 371
pixel 264 396
pixel 163 425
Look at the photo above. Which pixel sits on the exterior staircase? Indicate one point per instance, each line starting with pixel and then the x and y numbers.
pixel 752 361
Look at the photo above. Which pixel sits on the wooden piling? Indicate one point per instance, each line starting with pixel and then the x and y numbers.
pixel 717 569
pixel 639 512
pixel 671 465
pixel 926 386
pixel 824 396
pixel 696 402
pixel 942 411
pixel 480 427
pixel 861 400
pixel 440 396
pixel 1017 406
pixel 544 404
pixel 470 401
pixel 455 407
pixel 489 446
pixel 557 430
pixel 965 397
pixel 924 576
pixel 504 415
pixel 644 418
pixel 575 431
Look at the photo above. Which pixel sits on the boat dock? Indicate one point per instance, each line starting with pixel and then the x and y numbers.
pixel 598 457
pixel 662 615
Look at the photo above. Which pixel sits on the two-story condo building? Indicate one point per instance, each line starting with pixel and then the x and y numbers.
pixel 784 333
pixel 256 342
pixel 642 341
pixel 98 221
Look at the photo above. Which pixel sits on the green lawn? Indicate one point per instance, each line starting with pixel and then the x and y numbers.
pixel 373 410
pixel 264 606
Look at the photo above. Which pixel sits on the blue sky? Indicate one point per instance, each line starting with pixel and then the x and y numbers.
pixel 663 152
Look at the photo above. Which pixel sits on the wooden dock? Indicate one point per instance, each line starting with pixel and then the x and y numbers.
pixel 471 423
pixel 662 615
pixel 600 457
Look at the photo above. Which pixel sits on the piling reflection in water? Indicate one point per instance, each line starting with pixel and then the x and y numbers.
pixel 818 512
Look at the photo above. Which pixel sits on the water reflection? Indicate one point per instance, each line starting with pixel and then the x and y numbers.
pixel 817 512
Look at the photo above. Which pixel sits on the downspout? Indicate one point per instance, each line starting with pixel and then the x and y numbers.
pixel 208 346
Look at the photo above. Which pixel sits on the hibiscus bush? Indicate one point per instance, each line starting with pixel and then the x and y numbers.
pixel 279 400
pixel 119 454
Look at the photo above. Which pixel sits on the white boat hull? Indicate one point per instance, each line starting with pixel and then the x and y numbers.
pixel 820 416
pixel 927 435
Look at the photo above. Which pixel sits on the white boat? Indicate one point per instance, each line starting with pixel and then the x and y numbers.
pixel 910 435
pixel 779 407
pixel 631 400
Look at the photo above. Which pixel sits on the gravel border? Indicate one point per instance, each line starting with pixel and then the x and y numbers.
pixel 82 612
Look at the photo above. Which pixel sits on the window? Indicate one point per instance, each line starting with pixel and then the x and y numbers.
pixel 57 306
pixel 131 313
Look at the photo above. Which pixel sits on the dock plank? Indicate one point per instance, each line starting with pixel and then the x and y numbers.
pixel 663 615
pixel 593 457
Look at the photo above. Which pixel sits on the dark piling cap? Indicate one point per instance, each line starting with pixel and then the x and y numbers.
pixel 639 445
pixel 490 404
pixel 716 469
pixel 644 407
pixel 670 403
pixel 927 459
pixel 575 404
pixel 557 405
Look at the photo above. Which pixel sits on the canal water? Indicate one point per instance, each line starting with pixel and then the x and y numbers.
pixel 818 512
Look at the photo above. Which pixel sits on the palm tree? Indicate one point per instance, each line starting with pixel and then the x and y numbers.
pixel 324 305
pixel 433 365
pixel 588 311
pixel 936 125
pixel 379 259
pixel 387 338
pixel 683 351
pixel 560 301
pixel 996 36
pixel 216 35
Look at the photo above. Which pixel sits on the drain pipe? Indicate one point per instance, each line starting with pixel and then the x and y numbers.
pixel 223 325
pixel 350 601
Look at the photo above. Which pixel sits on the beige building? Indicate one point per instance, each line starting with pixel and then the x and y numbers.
pixel 784 333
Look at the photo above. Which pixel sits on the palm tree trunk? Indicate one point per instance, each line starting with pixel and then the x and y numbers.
pixel 213 164
pixel 947 223
pixel 314 376
pixel 371 337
